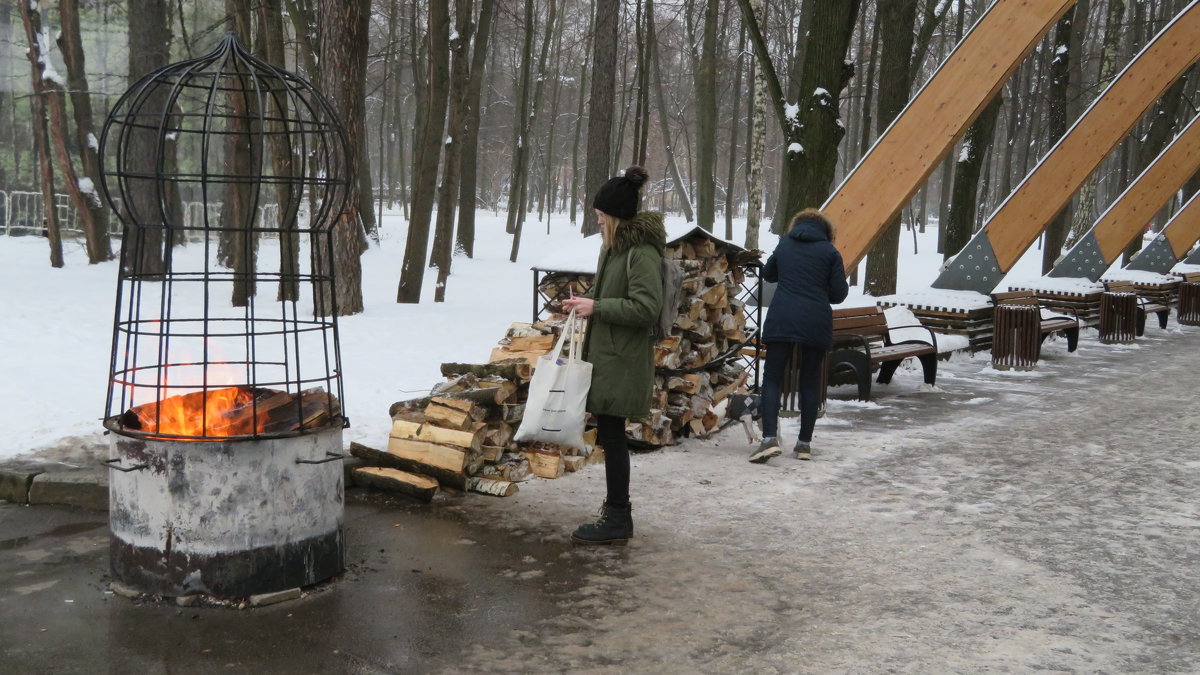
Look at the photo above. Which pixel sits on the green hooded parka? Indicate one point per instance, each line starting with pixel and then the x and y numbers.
pixel 619 341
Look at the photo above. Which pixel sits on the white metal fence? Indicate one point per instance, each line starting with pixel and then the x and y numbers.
pixel 22 212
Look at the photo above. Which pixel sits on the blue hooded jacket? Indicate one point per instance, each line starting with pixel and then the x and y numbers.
pixel 810 277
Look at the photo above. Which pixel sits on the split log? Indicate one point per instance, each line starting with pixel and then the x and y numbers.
pixel 492 453
pixel 447 457
pixel 574 463
pixel 515 370
pixel 454 413
pixel 447 478
pixel 471 438
pixel 544 464
pixel 395 480
pixel 488 486
pixel 511 467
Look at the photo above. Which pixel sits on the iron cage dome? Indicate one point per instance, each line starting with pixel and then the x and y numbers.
pixel 263 153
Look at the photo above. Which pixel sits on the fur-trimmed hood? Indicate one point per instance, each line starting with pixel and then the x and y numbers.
pixel 645 228
pixel 811 225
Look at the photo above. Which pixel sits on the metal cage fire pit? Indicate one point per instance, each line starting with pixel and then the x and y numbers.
pixel 225 410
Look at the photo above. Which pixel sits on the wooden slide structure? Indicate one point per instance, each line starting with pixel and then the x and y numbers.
pixel 1019 220
pixel 921 135
pixel 1172 244
pixel 1128 216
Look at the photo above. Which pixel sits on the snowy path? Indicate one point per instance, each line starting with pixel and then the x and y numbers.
pixel 1008 523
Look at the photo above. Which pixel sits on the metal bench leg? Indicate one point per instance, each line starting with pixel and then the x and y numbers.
pixel 929 367
pixel 1072 338
pixel 1162 318
pixel 886 370
pixel 856 361
pixel 1141 323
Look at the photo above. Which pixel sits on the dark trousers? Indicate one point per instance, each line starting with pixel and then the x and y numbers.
pixel 774 371
pixel 610 433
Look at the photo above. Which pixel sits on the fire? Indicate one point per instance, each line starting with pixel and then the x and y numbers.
pixel 234 411
pixel 218 413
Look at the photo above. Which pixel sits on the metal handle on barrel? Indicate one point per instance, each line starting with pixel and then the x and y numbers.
pixel 112 464
pixel 329 457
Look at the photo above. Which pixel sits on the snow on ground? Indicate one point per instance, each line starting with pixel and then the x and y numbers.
pixel 57 335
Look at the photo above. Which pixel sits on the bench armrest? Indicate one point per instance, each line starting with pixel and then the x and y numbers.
pixel 861 341
pixel 887 338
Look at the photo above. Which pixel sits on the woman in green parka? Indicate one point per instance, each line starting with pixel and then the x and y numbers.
pixel 619 343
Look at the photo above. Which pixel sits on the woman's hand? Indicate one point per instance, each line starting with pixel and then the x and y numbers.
pixel 582 306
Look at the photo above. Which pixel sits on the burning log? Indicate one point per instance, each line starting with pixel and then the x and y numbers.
pixel 234 411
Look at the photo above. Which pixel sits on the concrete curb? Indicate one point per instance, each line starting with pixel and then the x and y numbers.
pixel 23 483
pixel 15 482
pixel 85 488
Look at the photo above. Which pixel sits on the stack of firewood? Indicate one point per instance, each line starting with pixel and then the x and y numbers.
pixel 461 435
pixel 697 364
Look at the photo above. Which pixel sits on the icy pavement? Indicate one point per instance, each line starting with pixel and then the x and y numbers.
pixel 1000 522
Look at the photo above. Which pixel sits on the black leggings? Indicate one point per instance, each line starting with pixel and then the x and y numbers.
pixel 610 433
pixel 778 354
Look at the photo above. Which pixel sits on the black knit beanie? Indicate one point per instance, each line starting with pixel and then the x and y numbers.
pixel 619 196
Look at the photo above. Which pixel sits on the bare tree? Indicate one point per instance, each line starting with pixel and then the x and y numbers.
pixel 427 152
pixel 602 100
pixel 32 19
pixel 96 222
pixel 706 119
pixel 343 58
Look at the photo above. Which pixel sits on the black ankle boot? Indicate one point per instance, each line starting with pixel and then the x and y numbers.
pixel 615 526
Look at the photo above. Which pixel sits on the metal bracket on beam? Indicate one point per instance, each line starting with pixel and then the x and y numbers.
pixel 974 268
pixel 1157 256
pixel 1083 260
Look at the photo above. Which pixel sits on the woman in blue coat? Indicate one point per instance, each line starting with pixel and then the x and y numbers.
pixel 810 277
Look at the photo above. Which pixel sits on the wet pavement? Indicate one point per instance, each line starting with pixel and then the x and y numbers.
pixel 420 586
pixel 1004 522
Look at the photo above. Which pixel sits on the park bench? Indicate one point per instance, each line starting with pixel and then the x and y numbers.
pixel 1050 321
pixel 1145 306
pixel 863 340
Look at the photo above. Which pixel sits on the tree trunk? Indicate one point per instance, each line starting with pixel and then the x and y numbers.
pixel 756 148
pixel 575 187
pixel 530 122
pixel 469 156
pixel 706 121
pixel 98 246
pixel 734 110
pixel 427 154
pixel 344 40
pixel 32 19
pixel 663 120
pixel 602 100
pixel 897 20
pixel 520 143
pixel 960 224
pixel 149 49
pixel 1060 81
pixel 448 192
pixel 812 129
pixel 1087 212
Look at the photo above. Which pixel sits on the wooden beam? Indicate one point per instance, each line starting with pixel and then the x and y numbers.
pixel 1138 204
pixel 1183 230
pixel 904 155
pixel 1045 191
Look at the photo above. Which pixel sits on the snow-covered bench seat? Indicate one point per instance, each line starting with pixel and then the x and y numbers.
pixel 863 338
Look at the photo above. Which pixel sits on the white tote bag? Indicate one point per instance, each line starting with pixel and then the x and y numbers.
pixel 555 409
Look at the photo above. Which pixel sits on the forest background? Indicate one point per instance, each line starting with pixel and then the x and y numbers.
pixel 747 109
